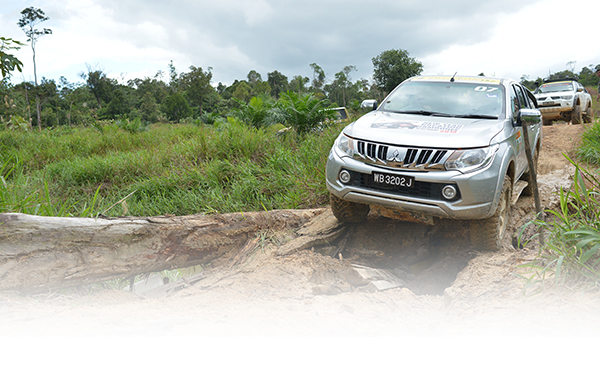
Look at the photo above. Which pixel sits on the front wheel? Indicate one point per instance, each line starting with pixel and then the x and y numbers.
pixel 346 211
pixel 487 234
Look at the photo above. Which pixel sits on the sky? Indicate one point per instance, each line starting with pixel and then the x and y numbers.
pixel 130 39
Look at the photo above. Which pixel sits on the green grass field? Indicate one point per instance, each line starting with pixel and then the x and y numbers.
pixel 167 169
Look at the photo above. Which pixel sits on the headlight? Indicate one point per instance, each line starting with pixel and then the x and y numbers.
pixel 567 97
pixel 471 160
pixel 345 144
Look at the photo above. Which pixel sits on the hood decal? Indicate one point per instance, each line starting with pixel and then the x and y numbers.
pixel 443 128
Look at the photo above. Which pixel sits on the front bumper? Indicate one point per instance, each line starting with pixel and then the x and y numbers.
pixel 560 108
pixel 477 199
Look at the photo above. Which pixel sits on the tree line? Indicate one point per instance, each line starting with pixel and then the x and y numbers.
pixel 184 95
pixel 587 77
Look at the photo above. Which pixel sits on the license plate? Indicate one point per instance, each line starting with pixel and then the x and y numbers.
pixel 394 180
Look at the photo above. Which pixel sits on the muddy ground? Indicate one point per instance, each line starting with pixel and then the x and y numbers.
pixel 451 312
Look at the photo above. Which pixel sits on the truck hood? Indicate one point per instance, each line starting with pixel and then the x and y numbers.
pixel 424 131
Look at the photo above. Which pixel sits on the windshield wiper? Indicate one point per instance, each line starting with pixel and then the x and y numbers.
pixel 476 116
pixel 425 112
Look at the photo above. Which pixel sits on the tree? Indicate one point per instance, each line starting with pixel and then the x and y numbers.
pixel 177 107
pixel 99 84
pixel 530 84
pixel 338 89
pixel 197 87
pixel 318 78
pixel 258 85
pixel 8 62
pixel 278 83
pixel 394 66
pixel 30 17
pixel 242 91
pixel 588 77
pixel 254 77
pixel 118 105
pixel 298 84
pixel 149 108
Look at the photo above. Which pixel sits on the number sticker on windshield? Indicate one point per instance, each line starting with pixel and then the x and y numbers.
pixel 485 89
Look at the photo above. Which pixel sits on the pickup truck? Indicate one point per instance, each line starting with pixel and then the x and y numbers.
pixel 439 147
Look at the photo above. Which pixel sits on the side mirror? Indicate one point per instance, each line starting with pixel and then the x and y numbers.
pixel 369 104
pixel 529 116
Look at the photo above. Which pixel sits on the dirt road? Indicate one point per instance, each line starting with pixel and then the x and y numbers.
pixel 446 295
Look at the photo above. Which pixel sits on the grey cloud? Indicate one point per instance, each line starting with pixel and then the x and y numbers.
pixel 287 35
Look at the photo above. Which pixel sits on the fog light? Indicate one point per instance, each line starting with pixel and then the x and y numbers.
pixel 449 192
pixel 344 176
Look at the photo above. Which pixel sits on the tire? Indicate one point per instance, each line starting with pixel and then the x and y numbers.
pixel 588 117
pixel 346 211
pixel 528 191
pixel 487 234
pixel 576 114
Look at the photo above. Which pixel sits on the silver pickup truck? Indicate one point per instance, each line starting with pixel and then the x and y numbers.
pixel 438 147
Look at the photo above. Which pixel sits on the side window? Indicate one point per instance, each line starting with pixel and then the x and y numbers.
pixel 514 103
pixel 532 100
pixel 521 97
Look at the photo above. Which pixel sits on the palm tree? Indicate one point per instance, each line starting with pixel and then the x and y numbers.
pixel 304 112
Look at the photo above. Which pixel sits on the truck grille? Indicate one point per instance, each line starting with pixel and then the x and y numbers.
pixel 418 159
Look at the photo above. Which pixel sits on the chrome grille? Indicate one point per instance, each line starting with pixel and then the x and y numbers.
pixel 418 159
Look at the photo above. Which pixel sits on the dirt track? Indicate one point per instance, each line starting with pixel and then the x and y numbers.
pixel 450 291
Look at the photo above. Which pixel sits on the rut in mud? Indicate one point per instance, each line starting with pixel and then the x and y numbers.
pixel 423 258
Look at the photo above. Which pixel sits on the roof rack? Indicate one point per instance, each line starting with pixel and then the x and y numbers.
pixel 563 79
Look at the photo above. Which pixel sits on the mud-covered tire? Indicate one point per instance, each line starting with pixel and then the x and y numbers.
pixel 576 114
pixel 346 211
pixel 528 191
pixel 487 234
pixel 588 117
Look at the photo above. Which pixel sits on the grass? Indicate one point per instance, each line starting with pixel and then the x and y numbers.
pixel 162 169
pixel 571 254
pixel 589 150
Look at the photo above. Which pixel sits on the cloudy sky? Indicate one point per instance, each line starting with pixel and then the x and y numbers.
pixel 137 38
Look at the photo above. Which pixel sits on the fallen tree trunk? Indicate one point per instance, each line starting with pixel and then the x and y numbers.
pixel 39 253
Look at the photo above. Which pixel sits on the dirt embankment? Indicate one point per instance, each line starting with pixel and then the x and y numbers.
pixel 381 277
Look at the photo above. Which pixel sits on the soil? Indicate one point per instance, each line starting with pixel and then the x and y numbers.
pixel 275 308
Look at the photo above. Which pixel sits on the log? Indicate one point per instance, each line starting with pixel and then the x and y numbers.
pixel 44 253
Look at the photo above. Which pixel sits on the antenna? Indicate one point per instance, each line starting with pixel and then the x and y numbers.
pixel 452 79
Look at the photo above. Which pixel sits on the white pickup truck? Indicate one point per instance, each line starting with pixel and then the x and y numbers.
pixel 564 99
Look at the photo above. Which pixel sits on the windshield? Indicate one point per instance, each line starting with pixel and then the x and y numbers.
pixel 447 99
pixel 555 87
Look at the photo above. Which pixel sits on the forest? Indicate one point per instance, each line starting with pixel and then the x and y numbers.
pixel 187 96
